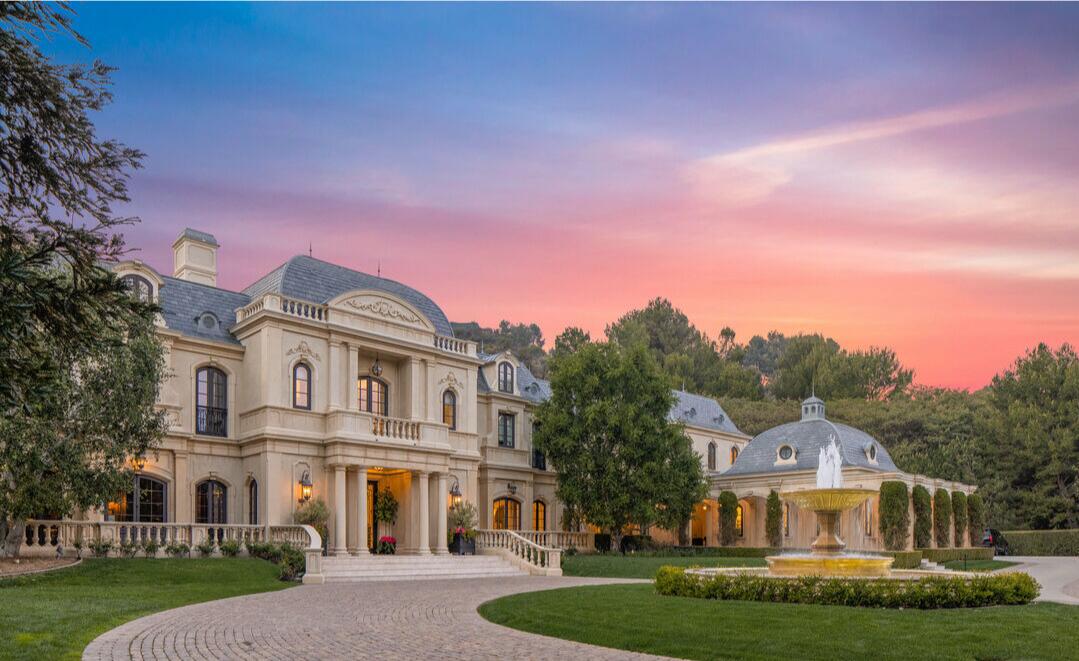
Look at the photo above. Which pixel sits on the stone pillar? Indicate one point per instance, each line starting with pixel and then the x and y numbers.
pixel 709 530
pixel 338 371
pixel 425 513
pixel 361 515
pixel 352 400
pixel 340 543
pixel 181 490
pixel 441 543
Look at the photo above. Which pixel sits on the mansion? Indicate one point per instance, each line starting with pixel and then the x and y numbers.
pixel 321 382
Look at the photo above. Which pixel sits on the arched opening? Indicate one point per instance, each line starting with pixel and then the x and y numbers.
pixel 301 386
pixel 505 377
pixel 734 454
pixel 145 503
pixel 253 502
pixel 139 287
pixel 211 402
pixel 449 409
pixel 374 395
pixel 739 522
pixel 211 502
pixel 506 514
pixel 539 515
pixel 711 456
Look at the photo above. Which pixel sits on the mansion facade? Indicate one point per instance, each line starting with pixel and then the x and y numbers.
pixel 321 382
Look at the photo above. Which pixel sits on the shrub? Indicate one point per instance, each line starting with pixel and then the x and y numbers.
pixel 728 503
pixel 773 519
pixel 387 545
pixel 906 559
pixel 100 548
pixel 947 555
pixel 975 518
pixel 636 543
pixel 959 517
pixel 316 514
pixel 178 550
pixel 129 548
pixel 923 517
pixel 206 548
pixel 230 548
pixel 942 518
pixel 933 592
pixel 386 507
pixel 709 552
pixel 291 562
pixel 894 514
pixel 463 516
pixel 1043 542
pixel 150 547
pixel 603 542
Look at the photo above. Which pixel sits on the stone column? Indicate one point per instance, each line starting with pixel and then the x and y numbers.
pixel 352 401
pixel 425 513
pixel 337 372
pixel 361 515
pixel 340 543
pixel 441 543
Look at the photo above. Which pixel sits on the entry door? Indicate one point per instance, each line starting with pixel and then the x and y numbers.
pixel 372 525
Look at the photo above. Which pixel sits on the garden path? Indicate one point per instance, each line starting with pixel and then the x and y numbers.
pixel 1059 577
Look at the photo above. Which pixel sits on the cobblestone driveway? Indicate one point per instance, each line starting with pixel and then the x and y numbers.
pixel 387 620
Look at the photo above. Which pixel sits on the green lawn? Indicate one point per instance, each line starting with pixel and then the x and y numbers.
pixel 630 566
pixel 55 615
pixel 978 565
pixel 633 617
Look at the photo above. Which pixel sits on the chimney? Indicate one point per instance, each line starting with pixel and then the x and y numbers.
pixel 194 257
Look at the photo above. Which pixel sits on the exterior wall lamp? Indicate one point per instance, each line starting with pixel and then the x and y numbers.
pixel 512 488
pixel 455 494
pixel 138 463
pixel 305 487
pixel 376 368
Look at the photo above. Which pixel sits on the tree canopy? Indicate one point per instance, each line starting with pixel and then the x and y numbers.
pixel 524 340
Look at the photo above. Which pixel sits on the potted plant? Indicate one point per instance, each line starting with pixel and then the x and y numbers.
pixel 463 519
pixel 387 545
pixel 316 514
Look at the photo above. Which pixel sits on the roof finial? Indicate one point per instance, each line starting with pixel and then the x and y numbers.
pixel 379 267
pixel 310 250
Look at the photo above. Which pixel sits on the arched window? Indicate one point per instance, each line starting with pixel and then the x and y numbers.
pixel 786 519
pixel 506 514
pixel 505 377
pixel 211 402
pixel 211 502
pixel 738 522
pixel 253 502
pixel 711 456
pixel 145 503
pixel 139 286
pixel 374 395
pixel 734 453
pixel 301 386
pixel 539 515
pixel 449 409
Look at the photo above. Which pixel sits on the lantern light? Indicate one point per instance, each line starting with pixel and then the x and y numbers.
pixel 376 368
pixel 305 487
pixel 455 494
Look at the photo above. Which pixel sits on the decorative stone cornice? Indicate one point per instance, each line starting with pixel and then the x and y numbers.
pixel 384 308
pixel 304 349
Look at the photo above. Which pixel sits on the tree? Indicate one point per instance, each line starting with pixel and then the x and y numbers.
pixel 942 518
pixel 763 354
pixel 975 518
pixel 728 512
pixel 571 339
pixel 923 517
pixel 773 520
pixel 620 460
pixel 959 517
pixel 81 364
pixel 894 514
pixel 814 363
pixel 522 340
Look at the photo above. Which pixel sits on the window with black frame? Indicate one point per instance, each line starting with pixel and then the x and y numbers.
pixel 506 431
pixel 374 395
pixel 506 514
pixel 711 456
pixel 211 502
pixel 449 409
pixel 211 402
pixel 505 377
pixel 253 502
pixel 301 386
pixel 539 515
pixel 139 287
pixel 145 503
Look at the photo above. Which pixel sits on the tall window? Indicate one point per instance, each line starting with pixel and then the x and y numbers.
pixel 210 502
pixel 145 503
pixel 449 409
pixel 539 460
pixel 539 515
pixel 711 456
pixel 738 523
pixel 253 502
pixel 506 514
pixel 868 507
pixel 734 454
pixel 139 286
pixel 211 405
pixel 301 386
pixel 505 377
pixel 506 430
pixel 786 519
pixel 374 395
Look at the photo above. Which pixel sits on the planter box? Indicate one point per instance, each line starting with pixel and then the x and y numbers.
pixel 462 546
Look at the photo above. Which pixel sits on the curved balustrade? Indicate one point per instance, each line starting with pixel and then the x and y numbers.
pixel 558 539
pixel 408 430
pixel 527 554
pixel 303 309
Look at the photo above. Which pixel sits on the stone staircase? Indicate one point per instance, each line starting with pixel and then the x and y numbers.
pixel 356 569
pixel 926 565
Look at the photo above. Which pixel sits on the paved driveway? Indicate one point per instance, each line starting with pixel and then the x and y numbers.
pixel 387 620
pixel 1059 577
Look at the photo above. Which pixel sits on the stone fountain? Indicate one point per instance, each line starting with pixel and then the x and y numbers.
pixel 828 501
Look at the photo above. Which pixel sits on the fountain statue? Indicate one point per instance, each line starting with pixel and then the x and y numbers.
pixel 828 501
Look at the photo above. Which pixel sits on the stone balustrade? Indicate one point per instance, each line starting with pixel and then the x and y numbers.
pixel 453 345
pixel 582 541
pixel 398 428
pixel 526 554
pixel 303 309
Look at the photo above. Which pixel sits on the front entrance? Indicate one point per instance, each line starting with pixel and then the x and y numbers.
pixel 372 524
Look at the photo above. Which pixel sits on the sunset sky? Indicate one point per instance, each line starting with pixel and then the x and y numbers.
pixel 902 175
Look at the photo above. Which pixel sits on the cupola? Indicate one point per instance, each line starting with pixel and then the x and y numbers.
pixel 813 409
pixel 194 257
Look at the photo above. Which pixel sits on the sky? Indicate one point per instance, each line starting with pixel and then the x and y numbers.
pixel 899 175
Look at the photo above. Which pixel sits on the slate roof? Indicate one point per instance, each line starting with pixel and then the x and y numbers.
pixel 807 437
pixel 205 237
pixel 314 280
pixel 183 302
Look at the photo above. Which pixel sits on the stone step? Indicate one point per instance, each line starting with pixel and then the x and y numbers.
pixel 333 578
pixel 373 562
pixel 341 569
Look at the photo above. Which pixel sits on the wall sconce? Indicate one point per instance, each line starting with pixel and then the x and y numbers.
pixel 305 487
pixel 455 494
pixel 512 488
pixel 138 463
pixel 376 368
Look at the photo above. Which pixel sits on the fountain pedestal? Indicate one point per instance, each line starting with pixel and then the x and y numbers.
pixel 827 557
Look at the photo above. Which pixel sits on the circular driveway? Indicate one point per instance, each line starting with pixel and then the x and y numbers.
pixel 1059 577
pixel 384 620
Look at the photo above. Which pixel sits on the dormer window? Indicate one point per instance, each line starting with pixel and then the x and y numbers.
pixel 711 456
pixel 786 452
pixel 505 377
pixel 871 451
pixel 139 287
pixel 207 321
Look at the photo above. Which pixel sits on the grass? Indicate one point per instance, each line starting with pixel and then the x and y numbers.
pixel 55 615
pixel 630 566
pixel 633 617
pixel 978 565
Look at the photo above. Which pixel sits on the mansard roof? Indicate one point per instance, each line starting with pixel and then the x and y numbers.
pixel 309 279
pixel 184 302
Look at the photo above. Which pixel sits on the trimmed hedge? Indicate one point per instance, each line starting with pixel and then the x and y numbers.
pixel 773 519
pixel 942 519
pixel 1043 542
pixel 728 503
pixel 975 518
pixel 923 517
pixel 905 559
pixel 894 514
pixel 709 552
pixel 947 555
pixel 959 517
pixel 945 592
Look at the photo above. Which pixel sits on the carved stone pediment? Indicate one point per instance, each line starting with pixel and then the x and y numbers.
pixel 386 309
pixel 451 380
pixel 303 349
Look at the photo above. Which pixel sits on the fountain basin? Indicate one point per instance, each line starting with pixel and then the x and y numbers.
pixel 828 500
pixel 829 565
